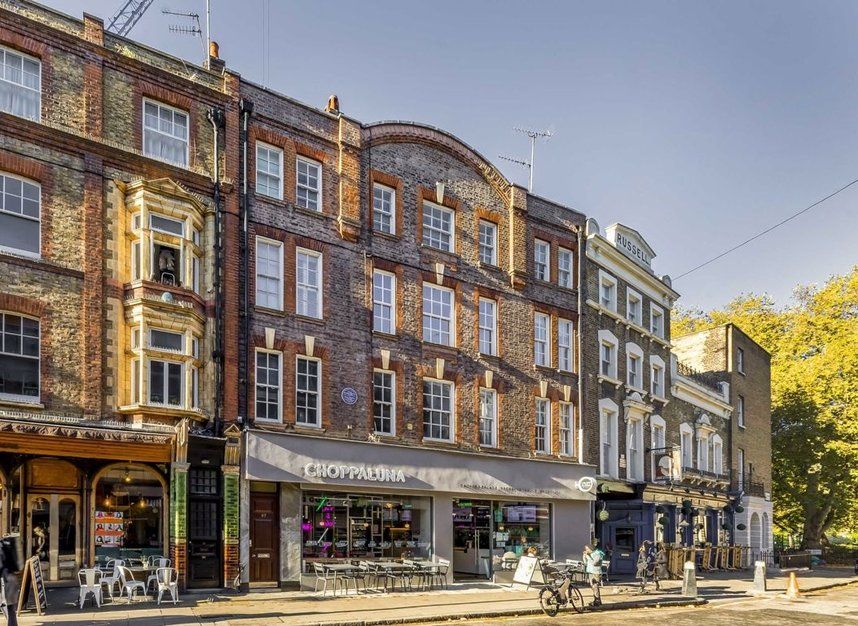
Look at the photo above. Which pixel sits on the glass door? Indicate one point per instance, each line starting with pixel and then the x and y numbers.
pixel 472 539
pixel 54 534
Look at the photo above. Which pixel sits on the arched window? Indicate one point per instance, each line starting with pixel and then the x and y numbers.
pixel 756 531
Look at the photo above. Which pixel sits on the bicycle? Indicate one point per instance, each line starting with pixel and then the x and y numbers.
pixel 561 592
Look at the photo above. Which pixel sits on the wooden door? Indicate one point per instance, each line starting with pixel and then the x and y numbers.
pixel 264 538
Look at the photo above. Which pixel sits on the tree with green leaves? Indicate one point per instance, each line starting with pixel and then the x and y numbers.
pixel 813 341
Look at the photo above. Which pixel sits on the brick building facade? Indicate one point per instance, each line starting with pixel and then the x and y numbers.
pixel 109 411
pixel 397 316
pixel 727 354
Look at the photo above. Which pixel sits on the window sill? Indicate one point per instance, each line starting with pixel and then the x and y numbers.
pixel 308 428
pixel 384 335
pixel 441 443
pixel 450 253
pixel 543 368
pixel 313 320
pixel 488 446
pixel 311 212
pixel 428 345
pixel 385 436
pixel 609 379
pixel 268 310
pixel 544 283
pixel 384 235
pixel 20 402
pixel 489 266
pixel 490 357
pixel 639 390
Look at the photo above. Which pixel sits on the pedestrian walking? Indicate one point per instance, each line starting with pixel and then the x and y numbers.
pixel 661 571
pixel 593 558
pixel 11 564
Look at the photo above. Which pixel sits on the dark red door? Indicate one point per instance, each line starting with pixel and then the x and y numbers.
pixel 264 538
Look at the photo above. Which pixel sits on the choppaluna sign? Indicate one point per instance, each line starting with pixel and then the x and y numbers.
pixel 376 473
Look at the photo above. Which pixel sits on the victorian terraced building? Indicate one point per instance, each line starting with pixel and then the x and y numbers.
pixel 255 335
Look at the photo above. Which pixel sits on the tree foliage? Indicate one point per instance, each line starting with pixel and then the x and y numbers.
pixel 813 341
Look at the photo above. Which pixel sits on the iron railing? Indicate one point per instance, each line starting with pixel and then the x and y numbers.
pixel 706 379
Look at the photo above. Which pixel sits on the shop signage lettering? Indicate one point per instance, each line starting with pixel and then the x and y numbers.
pixel 377 473
pixel 631 248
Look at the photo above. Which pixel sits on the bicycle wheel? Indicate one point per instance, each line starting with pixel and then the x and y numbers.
pixel 549 600
pixel 576 599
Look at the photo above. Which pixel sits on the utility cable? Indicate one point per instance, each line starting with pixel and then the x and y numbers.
pixel 768 230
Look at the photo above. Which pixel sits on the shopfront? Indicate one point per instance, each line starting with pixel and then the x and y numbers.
pixel 308 499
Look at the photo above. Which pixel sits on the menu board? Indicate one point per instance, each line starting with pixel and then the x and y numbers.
pixel 522 513
pixel 109 528
pixel 32 579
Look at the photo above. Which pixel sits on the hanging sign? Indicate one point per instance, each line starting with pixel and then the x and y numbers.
pixel 32 579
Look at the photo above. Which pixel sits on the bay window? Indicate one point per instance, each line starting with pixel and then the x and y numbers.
pixel 166 383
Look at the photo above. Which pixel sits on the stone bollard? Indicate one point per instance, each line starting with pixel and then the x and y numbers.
pixel 792 591
pixel 759 577
pixel 689 580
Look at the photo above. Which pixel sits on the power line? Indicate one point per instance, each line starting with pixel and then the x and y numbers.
pixel 768 230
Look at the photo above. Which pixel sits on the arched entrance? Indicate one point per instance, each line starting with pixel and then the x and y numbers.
pixel 756 531
pixel 129 517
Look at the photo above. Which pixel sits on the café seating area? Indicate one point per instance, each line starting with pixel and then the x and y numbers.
pixel 129 578
pixel 378 576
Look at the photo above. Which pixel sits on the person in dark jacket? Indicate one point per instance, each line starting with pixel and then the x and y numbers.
pixel 11 563
pixel 661 572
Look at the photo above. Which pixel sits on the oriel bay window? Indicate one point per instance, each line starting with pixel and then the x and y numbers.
pixel 308 391
pixel 19 358
pixel 165 369
pixel 172 247
pixel 438 413
pixel 165 383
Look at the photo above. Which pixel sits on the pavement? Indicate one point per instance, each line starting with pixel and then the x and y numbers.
pixel 473 601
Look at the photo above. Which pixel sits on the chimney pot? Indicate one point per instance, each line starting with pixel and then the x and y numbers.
pixel 214 50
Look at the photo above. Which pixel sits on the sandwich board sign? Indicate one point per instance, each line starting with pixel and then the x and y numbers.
pixel 528 572
pixel 32 579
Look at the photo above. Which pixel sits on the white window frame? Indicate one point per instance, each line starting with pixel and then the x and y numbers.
pixel 194 374
pixel 20 85
pixel 452 412
pixel 542 426
pixel 38 220
pixel 430 315
pixel 260 296
pixel 269 149
pixel 656 313
pixel 657 426
pixel 608 434
pixel 490 416
pixel 740 410
pixel 717 458
pixel 491 246
pixel 174 110
pixel 656 377
pixel 606 280
pixel 740 360
pixel 565 351
pixel 166 388
pixel 606 337
pixel 633 296
pixel 317 392
pixel 740 468
pixel 635 449
pixel 23 398
pixel 686 445
pixel 167 218
pixel 391 404
pixel 299 187
pixel 152 346
pixel 542 260
pixel 300 284
pixel 429 229
pixel 378 208
pixel 565 267
pixel 257 385
pixel 490 347
pixel 541 344
pixel 380 305
pixel 567 429
pixel 703 450
pixel 634 354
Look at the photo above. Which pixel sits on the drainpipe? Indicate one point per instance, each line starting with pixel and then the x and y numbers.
pixel 581 277
pixel 246 108
pixel 215 116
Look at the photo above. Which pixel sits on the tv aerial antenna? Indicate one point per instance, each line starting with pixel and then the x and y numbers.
pixel 194 29
pixel 533 135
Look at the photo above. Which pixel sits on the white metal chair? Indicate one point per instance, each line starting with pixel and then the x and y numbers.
pixel 110 575
pixel 167 579
pixel 439 573
pixel 156 563
pixel 130 586
pixel 90 583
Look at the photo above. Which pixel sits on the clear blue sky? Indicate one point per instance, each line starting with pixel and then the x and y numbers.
pixel 698 123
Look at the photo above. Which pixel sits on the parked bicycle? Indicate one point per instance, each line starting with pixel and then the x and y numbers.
pixel 561 592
